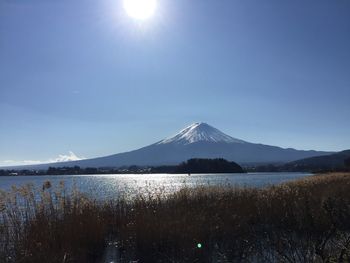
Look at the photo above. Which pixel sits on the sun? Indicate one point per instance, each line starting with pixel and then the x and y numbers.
pixel 140 9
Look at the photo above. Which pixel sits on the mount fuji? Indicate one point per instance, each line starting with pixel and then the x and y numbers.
pixel 198 140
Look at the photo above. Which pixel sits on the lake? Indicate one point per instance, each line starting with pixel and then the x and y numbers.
pixel 114 185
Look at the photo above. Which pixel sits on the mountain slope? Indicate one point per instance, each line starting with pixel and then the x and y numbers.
pixel 198 140
pixel 326 162
pixel 200 132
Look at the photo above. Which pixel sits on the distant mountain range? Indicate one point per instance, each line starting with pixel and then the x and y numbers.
pixel 336 161
pixel 198 140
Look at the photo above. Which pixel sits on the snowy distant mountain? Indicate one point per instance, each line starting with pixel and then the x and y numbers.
pixel 198 132
pixel 198 140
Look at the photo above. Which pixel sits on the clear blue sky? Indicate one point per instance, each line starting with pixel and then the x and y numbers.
pixel 82 76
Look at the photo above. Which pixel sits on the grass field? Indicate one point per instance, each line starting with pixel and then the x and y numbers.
pixel 303 221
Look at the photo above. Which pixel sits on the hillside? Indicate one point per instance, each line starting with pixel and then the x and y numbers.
pixel 337 161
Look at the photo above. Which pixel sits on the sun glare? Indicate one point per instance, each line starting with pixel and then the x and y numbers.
pixel 140 9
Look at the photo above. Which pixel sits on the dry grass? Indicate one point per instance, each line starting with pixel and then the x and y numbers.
pixel 303 221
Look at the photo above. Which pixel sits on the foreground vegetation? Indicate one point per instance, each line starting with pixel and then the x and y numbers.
pixel 303 221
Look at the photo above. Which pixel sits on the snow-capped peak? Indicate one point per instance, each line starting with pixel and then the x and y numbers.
pixel 200 131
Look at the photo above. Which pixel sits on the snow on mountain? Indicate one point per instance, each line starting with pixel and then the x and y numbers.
pixel 200 132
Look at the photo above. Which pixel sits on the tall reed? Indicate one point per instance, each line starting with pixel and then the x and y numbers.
pixel 303 221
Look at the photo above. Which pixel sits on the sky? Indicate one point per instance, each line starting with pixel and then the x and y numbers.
pixel 81 78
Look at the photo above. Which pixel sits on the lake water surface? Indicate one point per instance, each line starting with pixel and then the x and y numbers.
pixel 113 185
